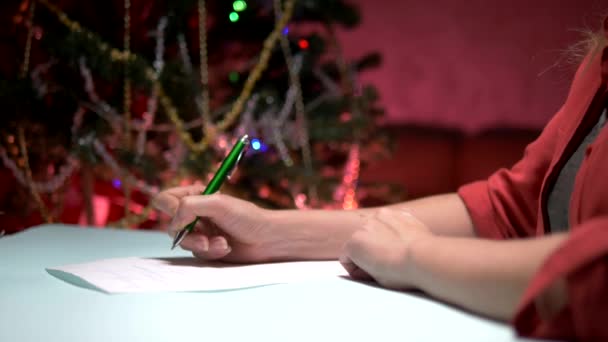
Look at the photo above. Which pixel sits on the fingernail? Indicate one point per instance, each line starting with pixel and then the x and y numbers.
pixel 200 243
pixel 223 245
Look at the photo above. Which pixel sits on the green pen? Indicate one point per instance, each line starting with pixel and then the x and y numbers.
pixel 225 170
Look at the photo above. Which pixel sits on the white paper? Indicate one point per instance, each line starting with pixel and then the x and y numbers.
pixel 134 275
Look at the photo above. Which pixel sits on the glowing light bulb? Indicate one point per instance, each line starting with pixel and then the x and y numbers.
pixel 256 144
pixel 116 183
pixel 233 76
pixel 239 5
pixel 234 17
pixel 303 44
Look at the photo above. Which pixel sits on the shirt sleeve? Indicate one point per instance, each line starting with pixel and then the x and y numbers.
pixel 506 204
pixel 582 264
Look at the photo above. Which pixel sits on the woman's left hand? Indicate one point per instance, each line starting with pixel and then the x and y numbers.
pixel 381 250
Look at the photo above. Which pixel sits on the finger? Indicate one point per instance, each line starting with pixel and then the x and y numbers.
pixel 356 248
pixel 353 270
pixel 208 227
pixel 364 250
pixel 167 201
pixel 179 222
pixel 218 247
pixel 203 226
pixel 196 243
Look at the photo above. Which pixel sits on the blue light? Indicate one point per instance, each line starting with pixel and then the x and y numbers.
pixel 256 144
pixel 286 31
pixel 116 183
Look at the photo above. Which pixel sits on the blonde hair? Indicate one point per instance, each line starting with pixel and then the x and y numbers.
pixel 593 43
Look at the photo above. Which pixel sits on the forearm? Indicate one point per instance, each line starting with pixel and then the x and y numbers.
pixel 484 276
pixel 320 234
pixel 313 234
pixel 444 214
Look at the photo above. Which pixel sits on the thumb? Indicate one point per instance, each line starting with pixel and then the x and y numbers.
pixel 168 200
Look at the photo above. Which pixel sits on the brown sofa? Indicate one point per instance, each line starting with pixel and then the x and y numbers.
pixel 429 161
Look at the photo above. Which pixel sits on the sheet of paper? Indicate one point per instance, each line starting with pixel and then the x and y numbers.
pixel 133 275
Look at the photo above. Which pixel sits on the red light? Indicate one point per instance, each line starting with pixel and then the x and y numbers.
pixel 303 44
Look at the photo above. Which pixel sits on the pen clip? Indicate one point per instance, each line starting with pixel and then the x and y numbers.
pixel 244 140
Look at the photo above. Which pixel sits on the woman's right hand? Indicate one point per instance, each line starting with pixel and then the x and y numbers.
pixel 230 229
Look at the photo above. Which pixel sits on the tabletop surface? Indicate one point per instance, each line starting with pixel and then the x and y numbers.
pixel 35 306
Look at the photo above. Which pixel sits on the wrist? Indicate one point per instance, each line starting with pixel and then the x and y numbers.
pixel 276 246
pixel 417 254
pixel 309 234
pixel 287 240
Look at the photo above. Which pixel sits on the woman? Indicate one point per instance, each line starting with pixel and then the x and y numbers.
pixel 549 271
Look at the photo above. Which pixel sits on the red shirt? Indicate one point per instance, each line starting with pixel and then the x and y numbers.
pixel 512 204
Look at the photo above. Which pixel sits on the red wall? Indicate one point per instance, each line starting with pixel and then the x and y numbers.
pixel 472 64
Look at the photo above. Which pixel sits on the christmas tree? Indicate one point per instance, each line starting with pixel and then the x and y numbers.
pixel 120 100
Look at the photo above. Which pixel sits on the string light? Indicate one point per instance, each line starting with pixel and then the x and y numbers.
pixel 264 192
pixel 151 74
pixel 49 186
pixel 208 130
pixel 152 104
pixel 183 52
pixel 233 76
pixel 28 43
pixel 127 80
pixel 347 191
pixel 127 95
pixel 30 181
pixel 125 178
pixel 300 201
pixel 256 144
pixel 234 17
pixel 38 33
pixel 345 117
pixel 286 31
pixel 239 5
pixel 350 197
pixel 301 120
pixel 166 103
pixel 303 44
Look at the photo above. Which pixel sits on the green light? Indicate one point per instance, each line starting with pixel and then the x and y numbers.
pixel 233 76
pixel 234 17
pixel 239 5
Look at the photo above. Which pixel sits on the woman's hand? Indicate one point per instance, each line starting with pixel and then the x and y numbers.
pixel 381 249
pixel 230 229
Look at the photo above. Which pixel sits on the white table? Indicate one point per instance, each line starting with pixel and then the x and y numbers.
pixel 35 306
